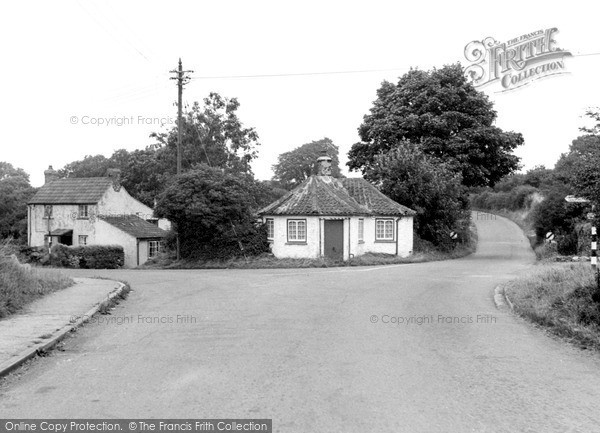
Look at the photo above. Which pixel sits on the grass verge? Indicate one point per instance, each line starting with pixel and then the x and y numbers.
pixel 560 297
pixel 21 284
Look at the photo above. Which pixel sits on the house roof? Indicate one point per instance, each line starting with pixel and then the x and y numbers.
pixel 367 195
pixel 82 190
pixel 325 195
pixel 134 225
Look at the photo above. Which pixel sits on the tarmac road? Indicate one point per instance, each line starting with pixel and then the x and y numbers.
pixel 409 348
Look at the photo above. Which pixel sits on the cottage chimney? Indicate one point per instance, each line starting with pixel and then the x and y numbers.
pixel 114 174
pixel 324 164
pixel 50 175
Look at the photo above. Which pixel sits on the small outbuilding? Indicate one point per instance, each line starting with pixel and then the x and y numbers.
pixel 337 219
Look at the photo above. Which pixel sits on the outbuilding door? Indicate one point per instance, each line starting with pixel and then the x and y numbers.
pixel 334 239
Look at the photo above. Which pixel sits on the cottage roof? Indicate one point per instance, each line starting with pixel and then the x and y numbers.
pixel 326 195
pixel 134 225
pixel 82 190
pixel 378 203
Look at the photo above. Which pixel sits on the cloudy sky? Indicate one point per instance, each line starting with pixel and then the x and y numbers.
pixel 67 64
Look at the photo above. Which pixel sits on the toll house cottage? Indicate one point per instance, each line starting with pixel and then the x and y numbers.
pixel 338 219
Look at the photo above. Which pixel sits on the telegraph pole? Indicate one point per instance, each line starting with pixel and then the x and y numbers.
pixel 182 79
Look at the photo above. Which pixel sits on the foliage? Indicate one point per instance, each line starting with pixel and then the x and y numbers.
pixel 520 197
pixel 423 183
pixel 211 134
pixel 297 165
pixel 213 213
pixel 22 284
pixel 580 167
pixel 15 191
pixel 448 118
pixel 88 256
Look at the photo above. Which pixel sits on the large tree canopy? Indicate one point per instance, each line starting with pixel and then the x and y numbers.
pixel 212 134
pixel 214 213
pixel 447 117
pixel 297 165
pixel 429 186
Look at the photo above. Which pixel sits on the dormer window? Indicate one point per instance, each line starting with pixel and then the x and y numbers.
pixel 83 211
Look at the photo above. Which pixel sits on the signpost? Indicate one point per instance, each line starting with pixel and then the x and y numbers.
pixel 549 237
pixel 573 199
pixel 591 216
pixel 453 235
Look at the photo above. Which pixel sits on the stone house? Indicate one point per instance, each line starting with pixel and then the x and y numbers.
pixel 338 219
pixel 94 211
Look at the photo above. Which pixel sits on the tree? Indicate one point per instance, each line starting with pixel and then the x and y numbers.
pixel 447 117
pixel 213 135
pixel 426 184
pixel 214 213
pixel 580 167
pixel 89 166
pixel 15 191
pixel 297 165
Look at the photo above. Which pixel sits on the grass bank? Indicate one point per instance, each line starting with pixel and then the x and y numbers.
pixel 21 284
pixel 424 252
pixel 560 298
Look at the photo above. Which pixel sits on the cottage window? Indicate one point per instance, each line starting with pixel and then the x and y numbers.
pixel 296 230
pixel 48 211
pixel 82 240
pixel 83 211
pixel 361 230
pixel 153 248
pixel 270 228
pixel 384 230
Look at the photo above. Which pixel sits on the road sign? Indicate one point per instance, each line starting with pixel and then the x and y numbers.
pixel 549 236
pixel 453 235
pixel 573 199
pixel 590 215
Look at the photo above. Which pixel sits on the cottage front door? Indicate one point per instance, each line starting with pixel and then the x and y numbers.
pixel 334 239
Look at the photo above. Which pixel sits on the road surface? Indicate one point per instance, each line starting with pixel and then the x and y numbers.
pixel 409 348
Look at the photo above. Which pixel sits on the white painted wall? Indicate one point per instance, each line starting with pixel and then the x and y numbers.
pixel 314 247
pixel 110 235
pixel 63 217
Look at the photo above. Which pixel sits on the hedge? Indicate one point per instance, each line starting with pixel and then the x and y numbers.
pixel 88 257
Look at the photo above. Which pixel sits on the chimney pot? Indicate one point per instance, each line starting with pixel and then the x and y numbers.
pixel 324 164
pixel 50 175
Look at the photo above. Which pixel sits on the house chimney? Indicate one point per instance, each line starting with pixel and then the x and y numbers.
pixel 324 164
pixel 114 174
pixel 50 175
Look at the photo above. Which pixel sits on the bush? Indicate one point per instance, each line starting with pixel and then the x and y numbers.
pixel 88 257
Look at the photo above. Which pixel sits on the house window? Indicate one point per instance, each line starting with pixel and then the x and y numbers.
pixel 361 230
pixel 48 211
pixel 384 230
pixel 83 211
pixel 153 248
pixel 82 240
pixel 270 228
pixel 296 230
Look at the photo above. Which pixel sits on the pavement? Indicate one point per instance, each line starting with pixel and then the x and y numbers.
pixel 406 348
pixel 46 321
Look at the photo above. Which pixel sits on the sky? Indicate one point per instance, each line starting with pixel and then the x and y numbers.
pixel 69 65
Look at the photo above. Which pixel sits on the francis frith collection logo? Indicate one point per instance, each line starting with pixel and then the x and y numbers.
pixel 516 62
